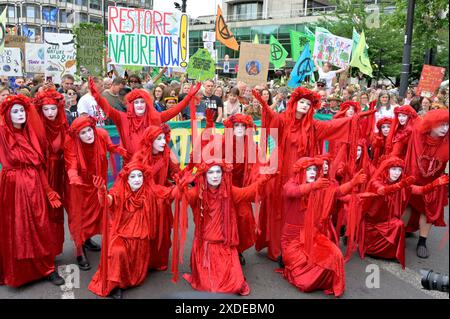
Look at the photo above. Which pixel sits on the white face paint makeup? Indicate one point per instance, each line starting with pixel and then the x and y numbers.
pixel 325 168
pixel 350 112
pixel 50 112
pixel 159 143
pixel 402 118
pixel 18 114
pixel 135 180
pixel 87 135
pixel 385 129
pixel 395 173
pixel 214 176
pixel 440 131
pixel 303 106
pixel 358 152
pixel 239 129
pixel 139 107
pixel 311 173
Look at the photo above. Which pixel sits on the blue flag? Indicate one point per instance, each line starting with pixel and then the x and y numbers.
pixel 303 68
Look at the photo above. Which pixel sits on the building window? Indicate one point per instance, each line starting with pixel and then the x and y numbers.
pixel 84 17
pixel 96 19
pixel 12 12
pixel 95 4
pixel 81 2
pixel 31 12
pixel 246 11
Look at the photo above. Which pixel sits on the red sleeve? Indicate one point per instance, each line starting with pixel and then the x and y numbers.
pixel 70 157
pixel 246 194
pixel 337 129
pixel 293 190
pixel 111 112
pixel 192 195
pixel 174 168
pixel 171 113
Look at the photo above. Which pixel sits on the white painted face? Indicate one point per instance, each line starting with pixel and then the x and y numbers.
pixel 159 143
pixel 358 152
pixel 394 173
pixel 214 176
pixel 18 114
pixel 350 112
pixel 139 107
pixel 311 173
pixel 325 167
pixel 385 129
pixel 303 106
pixel 50 112
pixel 440 131
pixel 239 129
pixel 87 135
pixel 135 180
pixel 402 118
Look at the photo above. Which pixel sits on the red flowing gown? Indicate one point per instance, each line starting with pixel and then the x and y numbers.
pixel 215 265
pixel 26 252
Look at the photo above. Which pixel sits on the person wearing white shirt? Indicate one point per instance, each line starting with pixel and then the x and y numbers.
pixel 87 106
pixel 326 74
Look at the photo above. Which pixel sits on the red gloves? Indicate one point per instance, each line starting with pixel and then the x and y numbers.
pixel 193 91
pixel 95 93
pixel 210 113
pixel 396 187
pixel 360 178
pixel 440 181
pixel 74 178
pixel 100 184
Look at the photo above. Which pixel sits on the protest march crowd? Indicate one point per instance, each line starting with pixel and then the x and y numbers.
pixel 355 164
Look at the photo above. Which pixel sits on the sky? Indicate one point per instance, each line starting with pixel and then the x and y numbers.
pixel 195 8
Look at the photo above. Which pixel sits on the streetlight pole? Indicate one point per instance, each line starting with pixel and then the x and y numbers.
pixel 406 61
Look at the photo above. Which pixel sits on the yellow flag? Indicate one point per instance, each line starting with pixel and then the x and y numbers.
pixel 360 58
pixel 2 30
pixel 223 33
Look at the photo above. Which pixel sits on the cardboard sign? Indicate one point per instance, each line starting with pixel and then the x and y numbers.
pixel 201 66
pixel 253 63
pixel 430 80
pixel 147 37
pixel 90 51
pixel 10 62
pixel 60 55
pixel 333 49
pixel 35 60
pixel 16 41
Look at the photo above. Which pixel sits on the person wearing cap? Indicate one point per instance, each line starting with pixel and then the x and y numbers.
pixel 334 100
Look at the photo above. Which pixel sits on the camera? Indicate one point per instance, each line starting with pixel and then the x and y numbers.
pixel 433 280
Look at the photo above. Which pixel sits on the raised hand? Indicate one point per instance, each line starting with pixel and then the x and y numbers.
pixel 95 93
pixel 194 89
pixel 360 178
pixel 321 183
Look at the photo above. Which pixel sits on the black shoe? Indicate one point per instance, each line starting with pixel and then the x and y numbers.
pixel 56 279
pixel 280 261
pixel 422 251
pixel 83 261
pixel 91 245
pixel 116 293
pixel 241 259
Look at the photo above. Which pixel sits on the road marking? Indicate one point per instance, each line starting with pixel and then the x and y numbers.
pixel 407 275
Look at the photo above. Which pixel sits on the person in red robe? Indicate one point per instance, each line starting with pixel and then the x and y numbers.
pixel 140 114
pixel 26 241
pixel 244 169
pixel 426 159
pixel 215 265
pixel 312 261
pixel 384 231
pixel 133 210
pixel 378 150
pixel 50 106
pixel 155 152
pixel 85 156
pixel 401 130
pixel 299 135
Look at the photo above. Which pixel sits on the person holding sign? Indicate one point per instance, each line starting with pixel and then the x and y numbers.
pixel 326 74
pixel 140 114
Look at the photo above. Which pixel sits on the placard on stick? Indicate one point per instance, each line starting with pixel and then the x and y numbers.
pixel 253 63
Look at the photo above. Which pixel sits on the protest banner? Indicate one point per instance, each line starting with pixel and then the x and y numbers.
pixel 10 62
pixel 147 37
pixel 201 66
pixel 3 22
pixel 208 46
pixel 17 41
pixel 89 39
pixel 209 36
pixel 60 55
pixel 298 42
pixel 333 49
pixel 35 60
pixel 430 80
pixel 253 63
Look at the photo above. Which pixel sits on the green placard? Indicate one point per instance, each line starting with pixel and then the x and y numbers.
pixel 201 66
pixel 90 39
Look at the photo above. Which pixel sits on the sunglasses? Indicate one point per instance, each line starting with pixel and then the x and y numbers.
pixel 320 85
